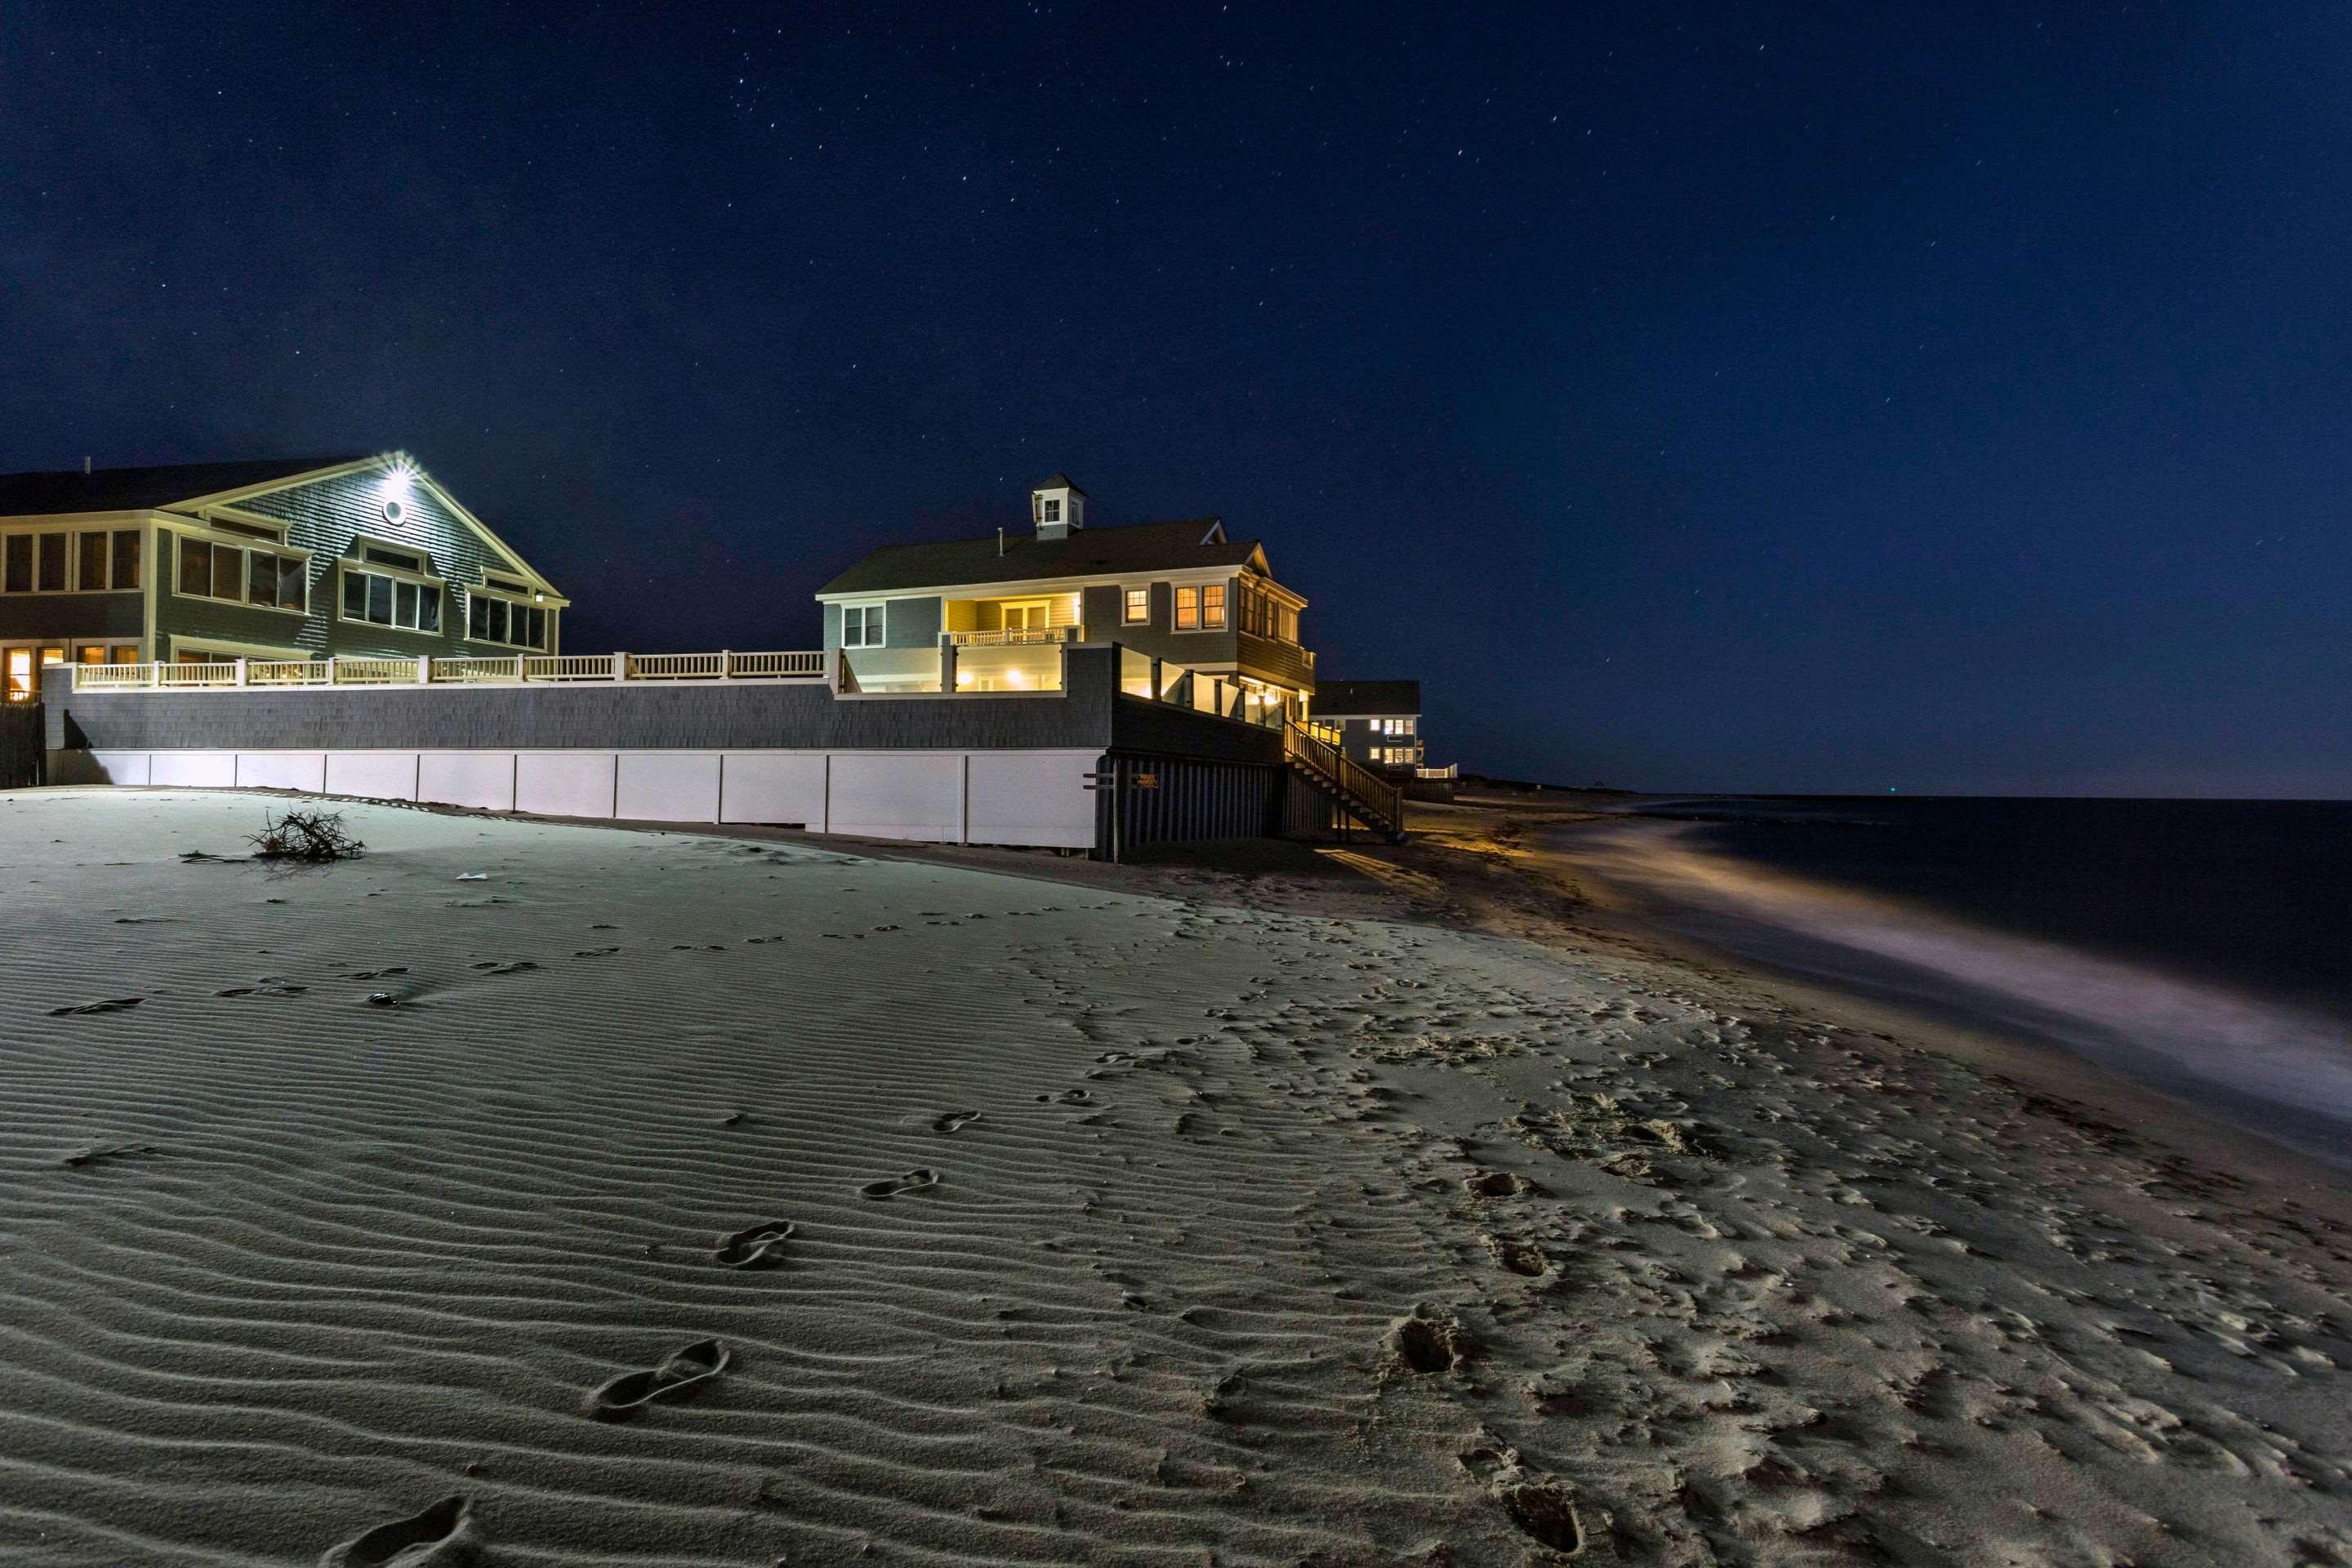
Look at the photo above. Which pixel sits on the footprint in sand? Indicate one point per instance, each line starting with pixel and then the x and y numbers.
pixel 596 952
pixel 914 1181
pixel 760 1246
pixel 112 1005
pixel 492 966
pixel 443 1533
pixel 948 1122
pixel 1068 1097
pixel 683 1370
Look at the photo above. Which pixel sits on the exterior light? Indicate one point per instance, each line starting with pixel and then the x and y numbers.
pixel 395 490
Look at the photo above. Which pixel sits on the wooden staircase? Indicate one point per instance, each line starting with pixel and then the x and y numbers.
pixel 1359 792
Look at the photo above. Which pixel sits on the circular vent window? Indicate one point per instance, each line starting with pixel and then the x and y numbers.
pixel 394 511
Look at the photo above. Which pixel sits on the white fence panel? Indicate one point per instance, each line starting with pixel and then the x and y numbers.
pixel 564 784
pixel 305 770
pixel 373 775
pixel 483 780
pixel 773 787
pixel 899 795
pixel 661 786
pixel 194 770
pixel 1031 797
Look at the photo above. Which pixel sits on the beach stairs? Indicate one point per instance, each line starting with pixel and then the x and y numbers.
pixel 1354 789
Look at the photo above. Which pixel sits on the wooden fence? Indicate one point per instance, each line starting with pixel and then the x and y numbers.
pixel 24 754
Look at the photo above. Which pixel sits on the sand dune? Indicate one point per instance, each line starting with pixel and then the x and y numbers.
pixel 908 1214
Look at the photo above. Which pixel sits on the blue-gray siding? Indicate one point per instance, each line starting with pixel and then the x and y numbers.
pixel 325 517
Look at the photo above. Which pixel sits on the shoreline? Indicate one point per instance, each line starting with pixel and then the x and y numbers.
pixel 2010 1054
pixel 1511 877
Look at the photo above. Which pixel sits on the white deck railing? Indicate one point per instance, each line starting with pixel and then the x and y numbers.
pixel 1016 636
pixel 467 672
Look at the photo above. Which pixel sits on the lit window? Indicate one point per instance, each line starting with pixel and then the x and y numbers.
pixel 1213 605
pixel 861 625
pixel 1187 609
pixel 1139 606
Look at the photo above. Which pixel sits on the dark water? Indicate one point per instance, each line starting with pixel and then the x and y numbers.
pixel 2202 947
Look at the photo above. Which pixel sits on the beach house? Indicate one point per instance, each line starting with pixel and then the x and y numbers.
pixel 1379 721
pixel 1048 685
pixel 1377 724
pixel 993 614
pixel 214 563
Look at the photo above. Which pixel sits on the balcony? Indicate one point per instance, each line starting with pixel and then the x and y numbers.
pixel 1016 636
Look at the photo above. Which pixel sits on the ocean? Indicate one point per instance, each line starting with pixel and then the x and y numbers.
pixel 2203 948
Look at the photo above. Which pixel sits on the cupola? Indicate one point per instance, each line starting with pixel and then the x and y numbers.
pixel 1057 507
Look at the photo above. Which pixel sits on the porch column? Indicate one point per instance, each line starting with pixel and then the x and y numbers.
pixel 947 664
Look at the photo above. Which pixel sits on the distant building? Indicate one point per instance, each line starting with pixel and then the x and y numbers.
pixel 1179 592
pixel 289 559
pixel 1378 721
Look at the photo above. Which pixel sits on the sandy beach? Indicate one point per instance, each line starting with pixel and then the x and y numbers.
pixel 661 1198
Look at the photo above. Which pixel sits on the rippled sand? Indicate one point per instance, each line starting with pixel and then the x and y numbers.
pixel 661 1199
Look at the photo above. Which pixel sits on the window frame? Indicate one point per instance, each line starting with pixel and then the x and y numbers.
pixel 873 624
pixel 348 569
pixel 1127 597
pixel 513 603
pixel 284 555
pixel 73 551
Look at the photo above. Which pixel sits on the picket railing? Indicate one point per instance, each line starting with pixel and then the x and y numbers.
pixel 808 665
pixel 470 670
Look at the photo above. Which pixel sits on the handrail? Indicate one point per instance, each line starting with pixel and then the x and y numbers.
pixel 467 670
pixel 809 664
pixel 374 671
pixel 1015 637
pixel 1346 775
pixel 568 667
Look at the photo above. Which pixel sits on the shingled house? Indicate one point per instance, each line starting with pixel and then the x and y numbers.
pixel 285 559
pixel 989 614
pixel 1378 721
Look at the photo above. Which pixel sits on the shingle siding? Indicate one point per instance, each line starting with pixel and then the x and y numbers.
pixel 72 614
pixel 906 622
pixel 325 517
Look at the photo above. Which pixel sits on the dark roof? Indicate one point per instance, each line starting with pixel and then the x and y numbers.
pixel 1345 697
pixel 1086 553
pixel 131 489
pixel 1058 482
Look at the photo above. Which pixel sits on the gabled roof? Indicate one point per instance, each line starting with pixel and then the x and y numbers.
pixel 137 490
pixel 1086 553
pixel 1342 698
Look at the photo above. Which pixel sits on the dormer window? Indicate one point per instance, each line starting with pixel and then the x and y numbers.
pixel 1057 507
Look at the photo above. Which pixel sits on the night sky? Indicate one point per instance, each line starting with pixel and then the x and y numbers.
pixel 1944 398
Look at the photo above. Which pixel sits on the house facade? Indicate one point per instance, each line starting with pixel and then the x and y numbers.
pixel 990 614
pixel 362 557
pixel 1379 721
